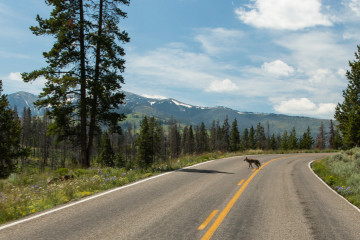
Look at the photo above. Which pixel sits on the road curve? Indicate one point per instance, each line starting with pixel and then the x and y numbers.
pixel 221 199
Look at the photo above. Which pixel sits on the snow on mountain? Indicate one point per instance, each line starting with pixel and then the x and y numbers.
pixel 181 104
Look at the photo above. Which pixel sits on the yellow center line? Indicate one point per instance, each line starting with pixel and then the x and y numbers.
pixel 228 207
pixel 241 182
pixel 208 220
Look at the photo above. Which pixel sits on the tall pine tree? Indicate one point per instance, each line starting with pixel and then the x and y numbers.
pixel 331 135
pixel 10 134
pixel 145 144
pixel 306 142
pixel 293 144
pixel 348 112
pixel 84 68
pixel 320 139
pixel 203 139
pixel 234 136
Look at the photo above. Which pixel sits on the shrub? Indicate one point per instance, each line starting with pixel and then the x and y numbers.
pixel 354 182
pixel 61 172
pixel 344 169
pixel 80 172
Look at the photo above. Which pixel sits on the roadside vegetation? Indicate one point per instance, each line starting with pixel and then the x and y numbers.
pixel 342 173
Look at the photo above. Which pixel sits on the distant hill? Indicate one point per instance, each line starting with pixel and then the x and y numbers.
pixel 189 114
pixel 24 100
pixel 163 109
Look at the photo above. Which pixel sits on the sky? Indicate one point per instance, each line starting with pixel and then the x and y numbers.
pixel 266 56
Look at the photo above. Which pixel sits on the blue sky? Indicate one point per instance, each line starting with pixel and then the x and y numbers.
pixel 272 56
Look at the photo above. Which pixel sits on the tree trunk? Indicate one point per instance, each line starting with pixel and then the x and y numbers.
pixel 83 113
pixel 96 83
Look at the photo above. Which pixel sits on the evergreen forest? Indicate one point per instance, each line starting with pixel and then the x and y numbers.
pixel 155 142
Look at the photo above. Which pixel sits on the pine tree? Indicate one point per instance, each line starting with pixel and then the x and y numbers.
pixel 338 140
pixel 320 139
pixel 190 141
pixel 174 139
pixel 293 141
pixel 219 136
pixel 252 140
pixel 273 142
pixel 106 152
pixel 161 149
pixel 212 140
pixel 203 139
pixel 278 141
pixel 306 142
pixel 10 134
pixel 225 146
pixel 331 135
pixel 197 148
pixel 348 112
pixel 145 144
pixel 234 136
pixel 245 139
pixel 184 139
pixel 26 126
pixel 84 68
pixel 285 141
pixel 155 131
pixel 260 138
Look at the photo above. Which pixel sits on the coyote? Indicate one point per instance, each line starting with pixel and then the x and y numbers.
pixel 251 161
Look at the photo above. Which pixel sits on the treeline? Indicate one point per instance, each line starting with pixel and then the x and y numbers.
pixel 156 142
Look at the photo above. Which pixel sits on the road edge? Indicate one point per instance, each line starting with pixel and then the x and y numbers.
pixel 309 165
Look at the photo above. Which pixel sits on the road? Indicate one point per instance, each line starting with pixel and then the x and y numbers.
pixel 221 199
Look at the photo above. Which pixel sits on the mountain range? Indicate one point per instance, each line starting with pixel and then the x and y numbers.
pixel 137 106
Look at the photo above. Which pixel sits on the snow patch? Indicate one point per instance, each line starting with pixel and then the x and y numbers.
pixel 158 97
pixel 181 104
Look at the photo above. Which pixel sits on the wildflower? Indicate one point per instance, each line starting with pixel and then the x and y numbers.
pixel 3 197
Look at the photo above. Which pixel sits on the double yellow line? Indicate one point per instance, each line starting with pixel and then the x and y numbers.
pixel 228 207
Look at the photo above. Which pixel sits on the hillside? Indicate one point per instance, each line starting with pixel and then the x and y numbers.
pixel 24 100
pixel 136 106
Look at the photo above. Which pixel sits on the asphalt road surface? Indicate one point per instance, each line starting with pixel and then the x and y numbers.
pixel 221 199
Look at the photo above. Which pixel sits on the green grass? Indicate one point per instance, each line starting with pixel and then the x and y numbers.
pixel 342 173
pixel 31 192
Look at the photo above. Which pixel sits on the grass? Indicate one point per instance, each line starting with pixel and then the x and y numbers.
pixel 342 173
pixel 31 192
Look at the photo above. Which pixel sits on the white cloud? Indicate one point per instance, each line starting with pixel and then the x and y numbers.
pixel 174 67
pixel 278 68
pixel 355 6
pixel 284 14
pixel 321 76
pixel 15 76
pixel 13 83
pixel 225 85
pixel 219 40
pixel 316 49
pixel 351 35
pixel 341 72
pixel 304 106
